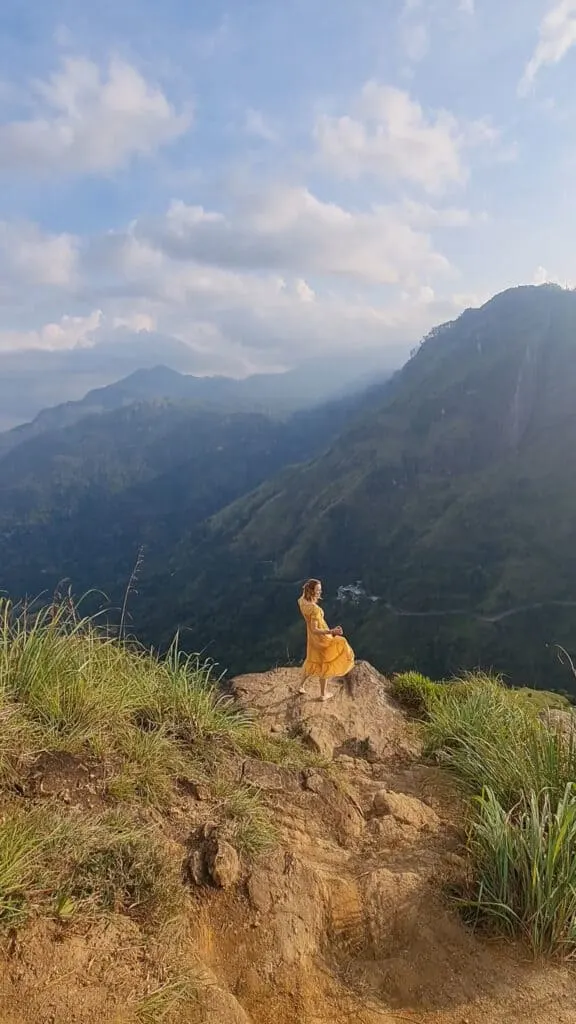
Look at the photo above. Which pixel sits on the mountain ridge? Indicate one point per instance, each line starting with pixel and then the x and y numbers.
pixel 442 491
pixel 310 383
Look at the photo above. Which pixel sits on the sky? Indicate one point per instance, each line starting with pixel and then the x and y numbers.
pixel 238 185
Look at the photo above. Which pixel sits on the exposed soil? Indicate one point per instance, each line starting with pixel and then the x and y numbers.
pixel 346 921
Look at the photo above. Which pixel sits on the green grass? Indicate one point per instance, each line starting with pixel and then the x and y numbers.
pixel 526 869
pixel 246 822
pixel 63 863
pixel 487 738
pixel 66 686
pixel 150 761
pixel 519 773
pixel 417 692
pixel 30 846
pixel 121 866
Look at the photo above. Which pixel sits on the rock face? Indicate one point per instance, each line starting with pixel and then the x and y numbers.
pixel 361 721
pixel 562 722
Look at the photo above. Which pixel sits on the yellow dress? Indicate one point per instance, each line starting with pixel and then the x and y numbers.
pixel 326 656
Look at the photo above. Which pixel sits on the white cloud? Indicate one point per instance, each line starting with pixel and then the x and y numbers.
pixel 29 257
pixel 90 121
pixel 425 216
pixel 252 289
pixel 557 35
pixel 393 139
pixel 69 332
pixel 289 230
pixel 542 276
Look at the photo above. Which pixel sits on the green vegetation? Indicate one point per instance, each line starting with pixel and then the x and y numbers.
pixel 519 772
pixel 150 472
pixel 444 491
pixel 62 863
pixel 75 697
pixel 526 869
pixel 448 497
pixel 160 1004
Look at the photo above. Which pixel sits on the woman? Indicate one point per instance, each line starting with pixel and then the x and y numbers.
pixel 328 654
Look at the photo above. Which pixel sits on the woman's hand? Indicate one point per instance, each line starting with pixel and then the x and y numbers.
pixel 337 631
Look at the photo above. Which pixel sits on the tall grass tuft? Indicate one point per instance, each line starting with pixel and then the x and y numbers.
pixel 190 702
pixel 65 685
pixel 526 869
pixel 520 774
pixel 488 739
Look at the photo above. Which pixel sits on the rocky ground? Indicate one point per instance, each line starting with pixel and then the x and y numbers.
pixel 345 920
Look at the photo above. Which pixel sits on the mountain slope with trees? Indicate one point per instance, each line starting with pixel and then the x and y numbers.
pixel 452 501
pixel 81 502
pixel 440 506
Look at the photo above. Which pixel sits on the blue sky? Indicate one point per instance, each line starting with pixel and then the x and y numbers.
pixel 266 180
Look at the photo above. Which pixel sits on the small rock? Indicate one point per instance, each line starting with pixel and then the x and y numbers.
pixel 275 728
pixel 318 739
pixel 259 891
pixel 313 781
pixel 405 809
pixel 223 863
pixel 66 796
pixel 456 861
pixel 380 804
pixel 196 867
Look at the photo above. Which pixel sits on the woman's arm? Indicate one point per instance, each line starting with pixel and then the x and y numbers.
pixel 337 631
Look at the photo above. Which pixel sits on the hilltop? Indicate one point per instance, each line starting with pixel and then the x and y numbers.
pixel 164 857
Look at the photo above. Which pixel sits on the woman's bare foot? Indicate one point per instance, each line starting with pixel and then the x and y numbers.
pixel 303 691
pixel 326 696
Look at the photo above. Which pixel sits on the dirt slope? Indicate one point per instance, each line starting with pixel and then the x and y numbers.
pixel 344 922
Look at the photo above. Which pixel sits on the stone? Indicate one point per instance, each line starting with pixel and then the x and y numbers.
pixel 196 867
pixel 223 863
pixel 313 781
pixel 319 739
pixel 405 809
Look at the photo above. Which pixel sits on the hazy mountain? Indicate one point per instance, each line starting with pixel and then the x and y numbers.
pixel 442 502
pixel 452 500
pixel 113 374
pixel 80 501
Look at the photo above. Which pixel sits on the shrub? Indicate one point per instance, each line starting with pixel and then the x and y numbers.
pixel 414 691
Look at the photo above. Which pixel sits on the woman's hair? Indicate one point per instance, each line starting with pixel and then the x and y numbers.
pixel 309 588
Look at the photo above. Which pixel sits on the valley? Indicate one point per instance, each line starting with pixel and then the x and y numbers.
pixel 445 490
